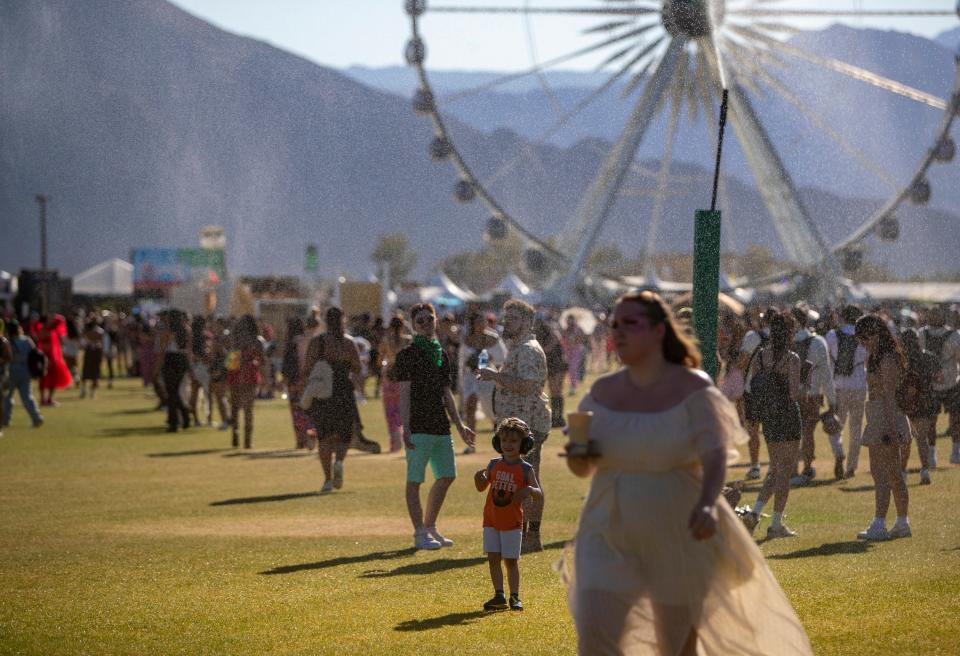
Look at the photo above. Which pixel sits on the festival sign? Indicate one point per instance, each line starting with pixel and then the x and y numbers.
pixel 160 268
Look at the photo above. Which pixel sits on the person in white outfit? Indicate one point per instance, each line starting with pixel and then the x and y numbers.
pixel 850 379
pixel 944 342
pixel 817 385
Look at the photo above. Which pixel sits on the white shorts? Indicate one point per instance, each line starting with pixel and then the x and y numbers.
pixel 505 543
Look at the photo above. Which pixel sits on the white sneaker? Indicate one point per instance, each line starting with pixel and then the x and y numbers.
pixel 932 458
pixel 435 534
pixel 924 476
pixel 327 487
pixel 900 531
pixel 780 532
pixel 338 474
pixel 422 540
pixel 753 473
pixel 876 533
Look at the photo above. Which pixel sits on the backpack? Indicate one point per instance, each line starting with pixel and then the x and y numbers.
pixel 763 391
pixel 37 363
pixel 910 393
pixel 935 344
pixel 846 354
pixel 806 367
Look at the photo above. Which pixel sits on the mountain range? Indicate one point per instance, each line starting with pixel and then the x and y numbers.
pixel 143 124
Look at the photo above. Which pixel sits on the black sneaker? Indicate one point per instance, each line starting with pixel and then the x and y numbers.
pixel 499 602
pixel 515 603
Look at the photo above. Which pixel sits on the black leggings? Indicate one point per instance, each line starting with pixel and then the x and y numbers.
pixel 175 365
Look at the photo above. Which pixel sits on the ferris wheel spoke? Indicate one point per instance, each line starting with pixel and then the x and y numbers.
pixel 550 63
pixel 663 176
pixel 746 57
pixel 849 70
pixel 640 10
pixel 584 227
pixel 838 13
pixel 639 76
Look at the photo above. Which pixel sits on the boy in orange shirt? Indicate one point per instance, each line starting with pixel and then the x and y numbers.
pixel 511 481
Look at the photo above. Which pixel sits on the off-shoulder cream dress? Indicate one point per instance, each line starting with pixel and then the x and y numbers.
pixel 640 581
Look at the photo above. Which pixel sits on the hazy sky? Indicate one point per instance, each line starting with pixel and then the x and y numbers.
pixel 341 33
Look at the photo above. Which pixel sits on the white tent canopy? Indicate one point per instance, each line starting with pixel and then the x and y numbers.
pixel 518 289
pixel 111 278
pixel 441 288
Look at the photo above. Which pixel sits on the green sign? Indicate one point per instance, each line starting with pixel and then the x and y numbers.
pixel 310 262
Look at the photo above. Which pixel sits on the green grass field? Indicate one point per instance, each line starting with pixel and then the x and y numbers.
pixel 120 539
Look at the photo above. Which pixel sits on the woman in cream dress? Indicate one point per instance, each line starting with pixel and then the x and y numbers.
pixel 661 566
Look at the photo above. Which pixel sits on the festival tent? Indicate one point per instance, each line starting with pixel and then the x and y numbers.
pixel 916 292
pixel 442 291
pixel 516 288
pixel 111 278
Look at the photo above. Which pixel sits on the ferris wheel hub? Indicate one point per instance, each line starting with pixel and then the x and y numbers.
pixel 692 18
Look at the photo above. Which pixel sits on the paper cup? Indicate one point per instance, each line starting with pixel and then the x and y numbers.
pixel 578 426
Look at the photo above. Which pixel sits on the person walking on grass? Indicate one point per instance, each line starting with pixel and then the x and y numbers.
pixel 519 393
pixel 93 341
pixel 661 564
pixel 775 389
pixel 20 379
pixel 244 377
pixel 423 371
pixel 816 384
pixel 944 342
pixel 510 481
pixel 918 401
pixel 850 377
pixel 888 429
pixel 335 417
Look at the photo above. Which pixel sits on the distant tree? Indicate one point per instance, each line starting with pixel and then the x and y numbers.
pixel 394 251
pixel 481 270
pixel 757 261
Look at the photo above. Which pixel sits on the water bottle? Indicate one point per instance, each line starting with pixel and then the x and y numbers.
pixel 483 359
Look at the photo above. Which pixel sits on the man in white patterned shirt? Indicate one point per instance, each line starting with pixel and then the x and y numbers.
pixel 519 393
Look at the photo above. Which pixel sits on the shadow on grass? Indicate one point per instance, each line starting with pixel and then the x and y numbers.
pixel 175 454
pixel 132 431
pixel 133 411
pixel 273 497
pixel 453 619
pixel 828 549
pixel 858 488
pixel 426 567
pixel 260 455
pixel 746 465
pixel 342 560
pixel 439 565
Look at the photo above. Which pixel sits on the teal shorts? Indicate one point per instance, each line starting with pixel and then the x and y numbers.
pixel 434 449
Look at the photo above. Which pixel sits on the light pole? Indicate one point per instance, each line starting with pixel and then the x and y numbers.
pixel 45 285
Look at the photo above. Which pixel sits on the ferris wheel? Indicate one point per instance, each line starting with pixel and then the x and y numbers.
pixel 667 58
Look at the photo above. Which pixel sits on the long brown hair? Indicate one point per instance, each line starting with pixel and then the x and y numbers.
pixel 678 347
pixel 871 324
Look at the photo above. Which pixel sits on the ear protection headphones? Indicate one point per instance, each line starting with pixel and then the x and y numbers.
pixel 514 424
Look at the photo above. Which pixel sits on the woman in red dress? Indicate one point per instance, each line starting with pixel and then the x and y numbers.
pixel 58 374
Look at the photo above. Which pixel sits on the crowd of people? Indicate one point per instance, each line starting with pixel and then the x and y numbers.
pixel 678 569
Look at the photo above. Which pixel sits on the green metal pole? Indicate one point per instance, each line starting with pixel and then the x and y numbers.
pixel 706 285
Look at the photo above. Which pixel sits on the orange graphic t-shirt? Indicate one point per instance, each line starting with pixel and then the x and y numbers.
pixel 500 511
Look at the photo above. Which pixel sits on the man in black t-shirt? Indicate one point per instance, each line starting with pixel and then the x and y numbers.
pixel 427 407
